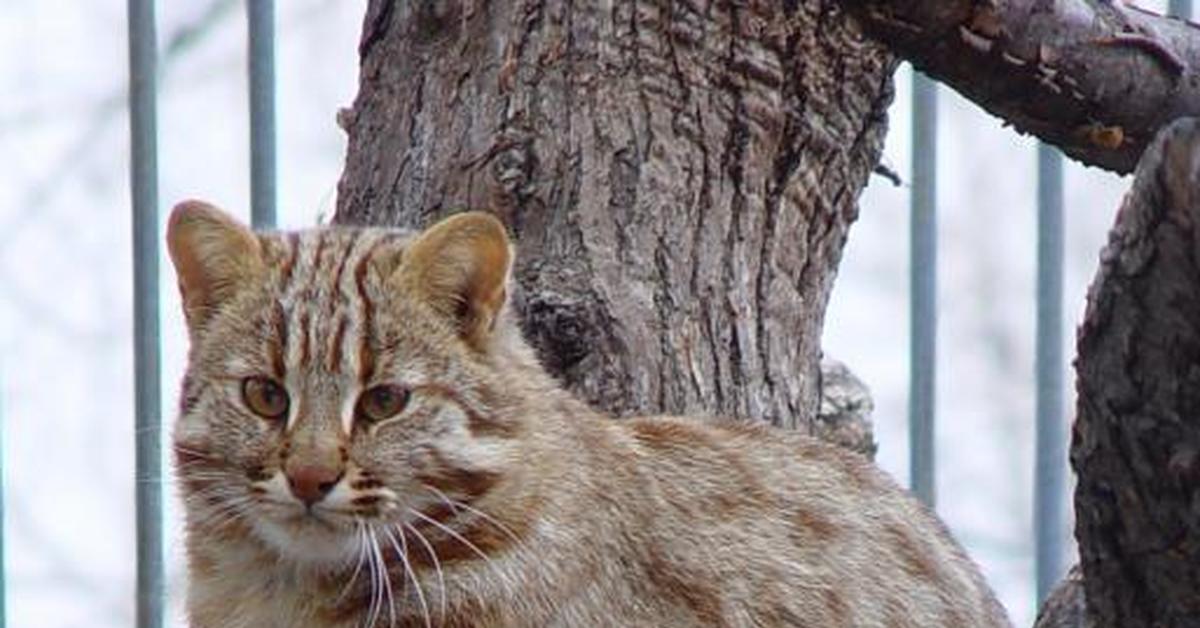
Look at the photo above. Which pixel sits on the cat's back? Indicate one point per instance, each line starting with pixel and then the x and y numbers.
pixel 746 525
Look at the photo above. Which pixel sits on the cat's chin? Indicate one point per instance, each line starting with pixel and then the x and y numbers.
pixel 309 543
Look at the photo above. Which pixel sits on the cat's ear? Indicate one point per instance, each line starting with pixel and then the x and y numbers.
pixel 214 255
pixel 460 268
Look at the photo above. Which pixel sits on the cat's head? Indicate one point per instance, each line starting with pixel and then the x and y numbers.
pixel 342 381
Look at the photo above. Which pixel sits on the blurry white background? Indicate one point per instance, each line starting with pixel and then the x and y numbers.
pixel 66 383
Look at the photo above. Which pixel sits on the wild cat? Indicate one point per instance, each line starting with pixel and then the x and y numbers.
pixel 364 439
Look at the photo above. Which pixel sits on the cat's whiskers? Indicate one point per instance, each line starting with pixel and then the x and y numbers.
pixel 451 532
pixel 211 464
pixel 385 577
pixel 226 513
pixel 216 492
pixel 180 448
pixel 219 505
pixel 487 560
pixel 360 539
pixel 373 607
pixel 442 496
pixel 455 505
pixel 174 479
pixel 205 475
pixel 211 495
pixel 437 566
pixel 409 574
pixel 183 471
pixel 218 520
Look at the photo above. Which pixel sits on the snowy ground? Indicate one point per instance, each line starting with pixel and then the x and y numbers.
pixel 65 287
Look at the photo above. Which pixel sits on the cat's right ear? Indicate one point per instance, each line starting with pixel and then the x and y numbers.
pixel 214 255
pixel 460 268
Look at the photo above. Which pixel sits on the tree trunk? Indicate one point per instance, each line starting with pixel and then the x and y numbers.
pixel 1136 441
pixel 680 177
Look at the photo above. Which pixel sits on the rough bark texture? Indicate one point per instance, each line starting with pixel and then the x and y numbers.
pixel 1097 79
pixel 844 417
pixel 680 177
pixel 1136 441
pixel 1066 606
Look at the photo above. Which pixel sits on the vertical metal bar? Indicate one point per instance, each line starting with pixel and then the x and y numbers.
pixel 261 17
pixel 923 286
pixel 3 564
pixel 1050 466
pixel 143 122
pixel 1180 8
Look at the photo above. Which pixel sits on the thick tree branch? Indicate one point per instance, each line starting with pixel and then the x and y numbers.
pixel 1136 441
pixel 1066 607
pixel 1096 79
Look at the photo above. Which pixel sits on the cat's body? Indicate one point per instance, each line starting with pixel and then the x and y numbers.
pixel 514 504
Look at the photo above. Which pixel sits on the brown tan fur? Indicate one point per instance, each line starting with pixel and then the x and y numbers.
pixel 494 498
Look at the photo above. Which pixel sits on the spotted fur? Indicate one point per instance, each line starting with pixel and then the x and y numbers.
pixel 494 498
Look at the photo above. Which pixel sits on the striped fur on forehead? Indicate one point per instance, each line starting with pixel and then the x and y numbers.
pixel 324 311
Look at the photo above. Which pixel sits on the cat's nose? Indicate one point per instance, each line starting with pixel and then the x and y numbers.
pixel 311 482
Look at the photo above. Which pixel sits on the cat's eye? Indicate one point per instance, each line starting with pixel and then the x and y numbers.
pixel 382 402
pixel 265 397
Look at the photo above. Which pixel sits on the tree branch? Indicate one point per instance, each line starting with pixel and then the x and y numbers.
pixel 1136 441
pixel 1094 78
pixel 1066 607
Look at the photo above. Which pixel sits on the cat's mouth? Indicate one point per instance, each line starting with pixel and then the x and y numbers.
pixel 316 517
pixel 308 536
pixel 309 518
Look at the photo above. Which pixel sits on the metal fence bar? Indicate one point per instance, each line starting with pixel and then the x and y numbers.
pixel 1049 491
pixel 1180 8
pixel 261 17
pixel 3 564
pixel 923 287
pixel 143 125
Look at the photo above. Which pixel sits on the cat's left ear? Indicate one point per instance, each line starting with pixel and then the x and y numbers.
pixel 214 255
pixel 460 268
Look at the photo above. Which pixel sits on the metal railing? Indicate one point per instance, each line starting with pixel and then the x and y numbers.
pixel 143 139
pixel 1180 8
pixel 922 391
pixel 143 67
pixel 3 570
pixel 1051 452
pixel 261 17
pixel 1050 482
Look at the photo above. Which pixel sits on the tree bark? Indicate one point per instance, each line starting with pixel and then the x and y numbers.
pixel 679 176
pixel 844 417
pixel 1136 441
pixel 1097 79
pixel 1066 606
